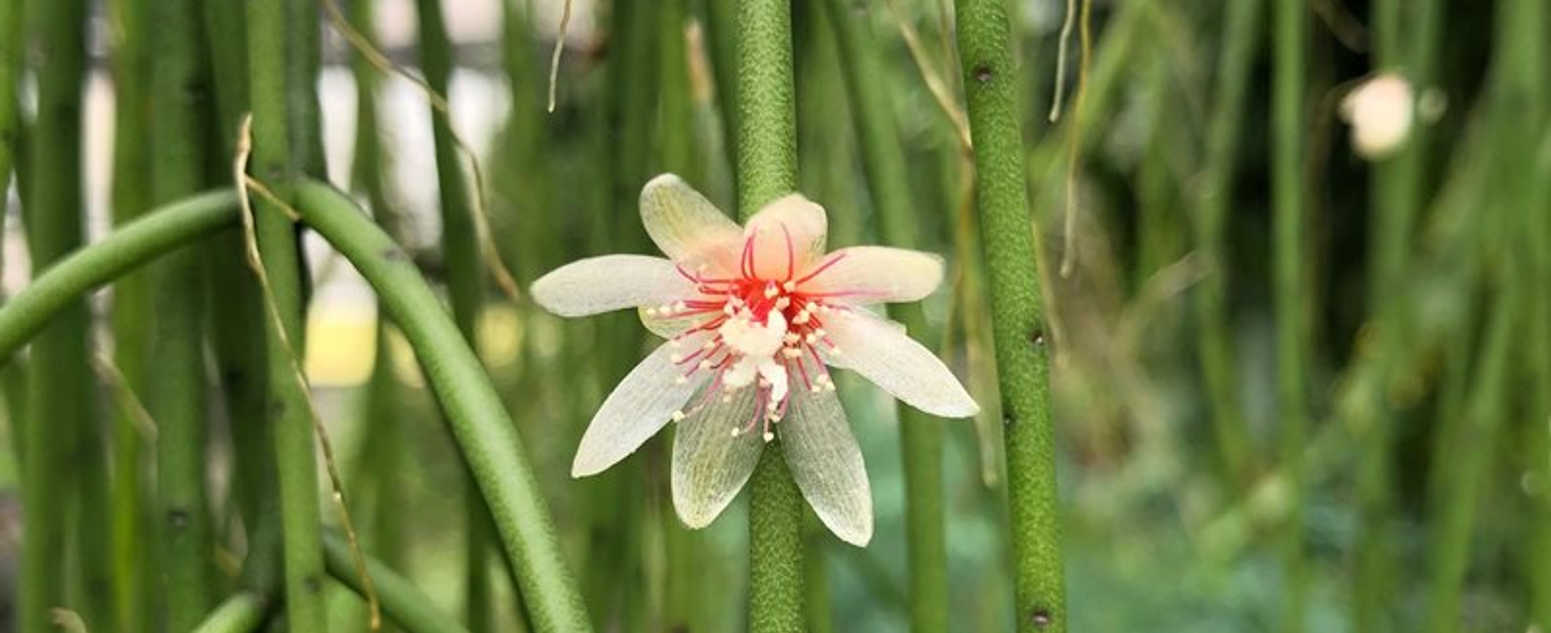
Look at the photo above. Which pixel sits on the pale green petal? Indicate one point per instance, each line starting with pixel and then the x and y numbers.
pixel 793 218
pixel 710 462
pixel 639 407
pixel 667 326
pixel 877 274
pixel 610 282
pixel 687 227
pixel 827 464
pixel 883 353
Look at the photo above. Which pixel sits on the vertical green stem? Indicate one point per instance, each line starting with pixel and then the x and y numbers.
pixel 10 75
pixel 767 169
pixel 279 103
pixel 888 180
pixel 1290 40
pixel 1214 342
pixel 132 308
pixel 465 282
pixel 1395 190
pixel 1018 327
pixel 59 403
pixel 180 84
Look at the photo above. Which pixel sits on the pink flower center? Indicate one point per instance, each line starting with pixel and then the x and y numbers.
pixel 767 333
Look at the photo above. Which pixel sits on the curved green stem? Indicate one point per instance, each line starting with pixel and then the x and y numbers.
pixel 1290 39
pixel 284 114
pixel 1017 319
pixel 921 435
pixel 479 422
pixel 767 169
pixel 240 613
pixel 59 401
pixel 402 602
pixel 166 227
pixel 465 282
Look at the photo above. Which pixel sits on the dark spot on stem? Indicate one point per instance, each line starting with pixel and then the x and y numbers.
pixel 1040 618
pixel 177 518
pixel 276 408
pixel 982 73
pixel 1037 337
pixel 394 254
pixel 312 584
pixel 1008 420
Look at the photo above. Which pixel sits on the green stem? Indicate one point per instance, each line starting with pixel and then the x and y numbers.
pixel 479 422
pixel 132 309
pixel 402 602
pixel 1214 342
pixel 280 105
pixel 767 169
pixel 888 180
pixel 240 613
pixel 54 290
pixel 1018 326
pixel 1290 40
pixel 465 282
pixel 10 73
pixel 180 83
pixel 1396 191
pixel 59 400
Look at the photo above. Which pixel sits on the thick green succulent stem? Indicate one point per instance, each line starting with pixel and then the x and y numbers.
pixel 180 81
pixel 1017 317
pixel 484 432
pixel 767 169
pixel 59 402
pixel 283 105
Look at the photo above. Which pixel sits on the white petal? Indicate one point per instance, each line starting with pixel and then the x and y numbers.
pixel 876 274
pixel 610 282
pixel 639 407
pixel 710 462
pixel 827 464
pixel 666 325
pixel 883 353
pixel 791 220
pixel 686 226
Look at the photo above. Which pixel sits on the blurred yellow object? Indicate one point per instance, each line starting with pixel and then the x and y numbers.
pixel 340 344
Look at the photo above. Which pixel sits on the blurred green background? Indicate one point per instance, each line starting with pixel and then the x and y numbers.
pixel 1421 480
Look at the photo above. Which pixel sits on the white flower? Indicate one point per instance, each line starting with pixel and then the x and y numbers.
pixel 754 316
pixel 1381 111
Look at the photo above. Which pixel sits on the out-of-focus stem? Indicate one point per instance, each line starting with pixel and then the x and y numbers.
pixel 767 168
pixel 240 613
pixel 59 397
pixel 1396 193
pixel 280 103
pixel 402 602
pixel 1214 342
pixel 1293 299
pixel 130 319
pixel 888 181
pixel 1018 323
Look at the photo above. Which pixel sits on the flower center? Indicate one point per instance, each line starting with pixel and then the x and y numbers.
pixel 764 333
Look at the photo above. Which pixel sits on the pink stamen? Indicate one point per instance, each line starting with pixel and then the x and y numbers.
pixel 831 261
pixel 791 254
